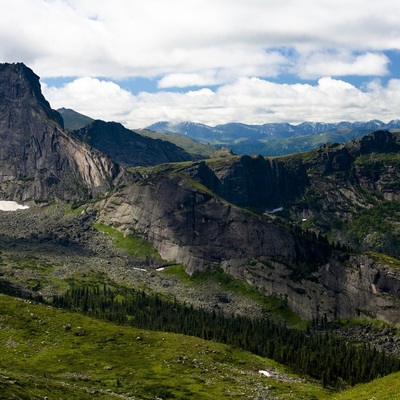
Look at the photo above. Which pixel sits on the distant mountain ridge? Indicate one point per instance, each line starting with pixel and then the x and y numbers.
pixel 273 139
pixel 270 139
pixel 103 135
pixel 74 120
pixel 271 130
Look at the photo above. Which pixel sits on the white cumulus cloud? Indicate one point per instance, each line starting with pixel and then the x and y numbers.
pixel 248 100
pixel 93 97
pixel 156 38
pixel 238 54
pixel 339 64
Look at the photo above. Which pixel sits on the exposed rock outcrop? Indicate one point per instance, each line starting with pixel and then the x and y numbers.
pixel 379 141
pixel 190 225
pixel 317 180
pixel 253 182
pixel 38 160
pixel 354 288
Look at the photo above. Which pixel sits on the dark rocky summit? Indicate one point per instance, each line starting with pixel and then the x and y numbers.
pixel 38 160
pixel 74 120
pixel 127 147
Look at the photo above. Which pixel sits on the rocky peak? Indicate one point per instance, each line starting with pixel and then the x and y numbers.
pixel 20 85
pixel 380 142
pixel 74 120
pixel 38 160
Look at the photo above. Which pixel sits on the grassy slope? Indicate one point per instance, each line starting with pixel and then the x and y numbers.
pixel 39 357
pixel 387 388
pixel 133 245
pixel 95 359
pixel 200 149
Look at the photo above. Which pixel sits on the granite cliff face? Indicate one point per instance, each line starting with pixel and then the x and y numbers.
pixel 308 180
pixel 253 182
pixel 190 225
pixel 187 212
pixel 194 227
pixel 344 287
pixel 38 160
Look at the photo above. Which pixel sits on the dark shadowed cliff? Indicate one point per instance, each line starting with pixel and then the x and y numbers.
pixel 127 147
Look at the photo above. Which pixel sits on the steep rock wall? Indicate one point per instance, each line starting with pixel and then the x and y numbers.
pixel 198 229
pixel 253 182
pixel 189 225
pixel 356 287
pixel 38 160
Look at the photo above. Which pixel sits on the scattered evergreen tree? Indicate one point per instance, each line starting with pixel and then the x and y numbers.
pixel 322 356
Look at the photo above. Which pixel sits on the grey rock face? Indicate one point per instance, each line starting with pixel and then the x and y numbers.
pixel 353 288
pixel 38 160
pixel 194 227
pixel 191 226
pixel 253 182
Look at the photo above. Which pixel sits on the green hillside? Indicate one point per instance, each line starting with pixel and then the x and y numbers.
pixel 387 388
pixel 197 149
pixel 51 353
pixel 58 354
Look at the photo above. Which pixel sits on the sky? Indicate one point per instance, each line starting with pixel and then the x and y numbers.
pixel 210 61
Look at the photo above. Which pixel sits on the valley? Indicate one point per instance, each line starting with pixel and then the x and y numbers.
pixel 306 242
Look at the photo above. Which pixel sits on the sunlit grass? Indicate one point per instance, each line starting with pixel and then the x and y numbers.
pixel 386 388
pixel 60 354
pixel 133 245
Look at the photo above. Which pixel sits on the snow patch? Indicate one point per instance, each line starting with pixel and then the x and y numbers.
pixel 139 269
pixel 6 205
pixel 265 373
pixel 275 210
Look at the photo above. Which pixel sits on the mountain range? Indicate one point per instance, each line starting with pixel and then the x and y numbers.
pixel 309 240
pixel 273 139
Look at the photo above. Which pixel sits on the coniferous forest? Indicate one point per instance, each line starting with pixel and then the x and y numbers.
pixel 322 356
